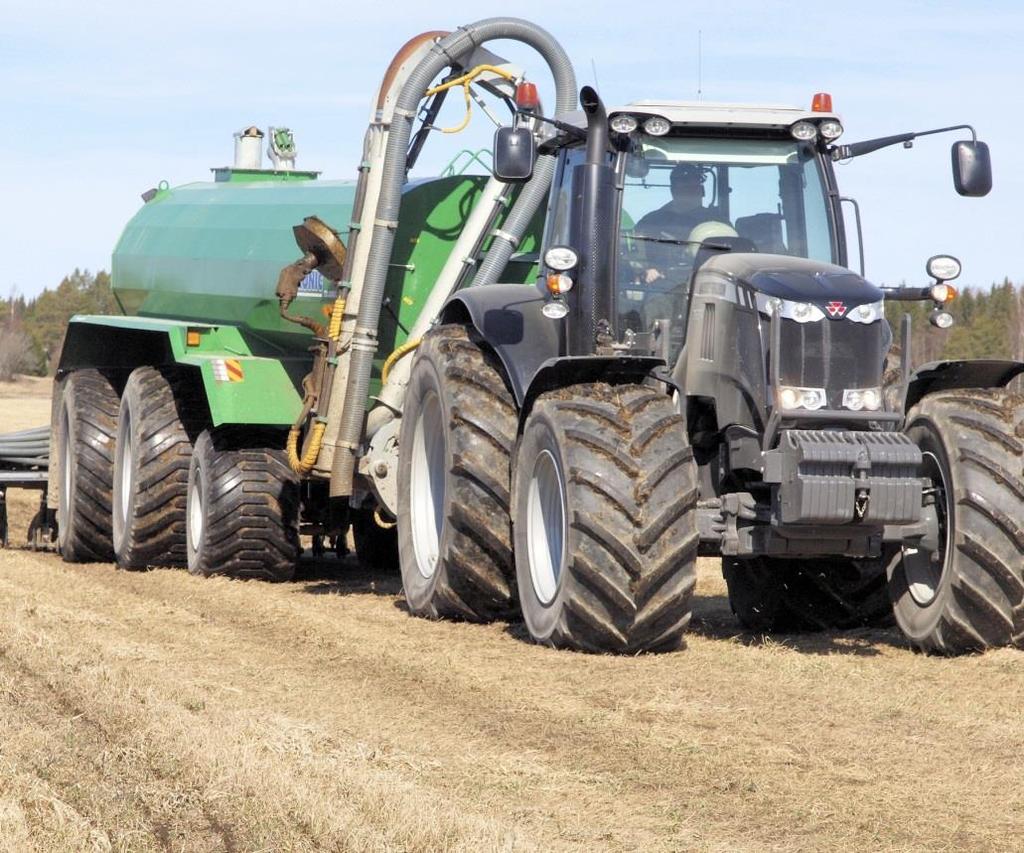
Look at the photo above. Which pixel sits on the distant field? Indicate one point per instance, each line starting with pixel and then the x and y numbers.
pixel 157 711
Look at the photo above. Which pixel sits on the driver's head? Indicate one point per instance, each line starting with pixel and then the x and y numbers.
pixel 687 183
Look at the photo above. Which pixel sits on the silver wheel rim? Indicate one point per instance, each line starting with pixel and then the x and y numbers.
pixel 545 527
pixel 65 460
pixel 923 577
pixel 195 512
pixel 427 484
pixel 125 455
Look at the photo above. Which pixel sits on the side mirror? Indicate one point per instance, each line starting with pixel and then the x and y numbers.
pixel 514 153
pixel 972 168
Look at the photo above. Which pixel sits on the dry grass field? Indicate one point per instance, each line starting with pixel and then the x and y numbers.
pixel 157 711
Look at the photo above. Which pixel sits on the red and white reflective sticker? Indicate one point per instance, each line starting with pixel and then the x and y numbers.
pixel 228 370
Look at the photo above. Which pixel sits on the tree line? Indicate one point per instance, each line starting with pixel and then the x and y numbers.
pixel 989 323
pixel 31 330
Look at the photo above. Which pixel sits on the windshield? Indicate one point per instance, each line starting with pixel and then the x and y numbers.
pixel 750 195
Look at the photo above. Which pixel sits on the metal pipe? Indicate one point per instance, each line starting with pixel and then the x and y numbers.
pixel 331 399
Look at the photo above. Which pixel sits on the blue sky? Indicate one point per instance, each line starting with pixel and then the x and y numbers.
pixel 101 102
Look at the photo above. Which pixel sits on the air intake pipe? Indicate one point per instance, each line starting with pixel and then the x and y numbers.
pixel 446 52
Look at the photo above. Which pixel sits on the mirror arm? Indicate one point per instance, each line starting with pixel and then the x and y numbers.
pixel 908 293
pixel 857 149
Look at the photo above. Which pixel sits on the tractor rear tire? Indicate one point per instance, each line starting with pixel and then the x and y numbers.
pixel 151 463
pixel 84 430
pixel 242 508
pixel 771 594
pixel 454 531
pixel 605 496
pixel 376 546
pixel 970 597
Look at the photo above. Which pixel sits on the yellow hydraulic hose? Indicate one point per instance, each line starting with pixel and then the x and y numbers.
pixel 389 362
pixel 334 327
pixel 464 81
pixel 305 464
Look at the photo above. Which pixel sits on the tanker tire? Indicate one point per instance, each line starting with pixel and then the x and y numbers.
pixel 85 430
pixel 242 507
pixel 151 464
pixel 771 594
pixel 605 519
pixel 376 546
pixel 454 531
pixel 973 440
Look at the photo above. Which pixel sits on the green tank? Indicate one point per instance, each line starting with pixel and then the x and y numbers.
pixel 212 252
pixel 200 262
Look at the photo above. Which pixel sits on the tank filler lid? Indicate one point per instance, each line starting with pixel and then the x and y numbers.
pixel 315 237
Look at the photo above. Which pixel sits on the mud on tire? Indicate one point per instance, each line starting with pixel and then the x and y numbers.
pixel 161 413
pixel 781 595
pixel 970 599
pixel 454 531
pixel 242 507
pixel 605 520
pixel 84 428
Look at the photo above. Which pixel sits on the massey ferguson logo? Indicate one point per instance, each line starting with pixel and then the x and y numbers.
pixel 835 309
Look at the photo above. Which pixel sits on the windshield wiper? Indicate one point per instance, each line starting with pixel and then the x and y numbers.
pixel 707 244
pixel 668 240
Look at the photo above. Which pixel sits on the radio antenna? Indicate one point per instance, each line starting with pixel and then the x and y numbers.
pixel 700 64
pixel 593 67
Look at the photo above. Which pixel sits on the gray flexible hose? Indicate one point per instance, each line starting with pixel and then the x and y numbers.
pixel 447 51
pixel 27 448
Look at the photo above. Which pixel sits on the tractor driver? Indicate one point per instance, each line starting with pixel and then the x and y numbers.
pixel 672 222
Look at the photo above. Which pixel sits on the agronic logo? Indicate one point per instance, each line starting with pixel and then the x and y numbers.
pixel 835 309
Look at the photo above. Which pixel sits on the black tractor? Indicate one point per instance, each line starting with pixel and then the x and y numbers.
pixel 698 371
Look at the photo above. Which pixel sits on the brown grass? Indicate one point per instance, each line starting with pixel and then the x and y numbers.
pixel 160 711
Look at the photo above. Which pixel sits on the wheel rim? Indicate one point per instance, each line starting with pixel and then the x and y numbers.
pixel 196 511
pixel 923 574
pixel 125 457
pixel 64 501
pixel 545 526
pixel 427 485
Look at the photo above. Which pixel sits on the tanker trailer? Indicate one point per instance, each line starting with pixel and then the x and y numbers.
pixel 199 427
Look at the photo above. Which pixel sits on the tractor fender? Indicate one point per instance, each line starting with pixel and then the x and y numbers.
pixel 944 375
pixel 240 387
pixel 508 319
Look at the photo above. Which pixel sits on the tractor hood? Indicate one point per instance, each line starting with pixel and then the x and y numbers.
pixel 794 279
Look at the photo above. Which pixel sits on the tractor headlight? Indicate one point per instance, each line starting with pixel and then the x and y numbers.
pixel 657 126
pixel 623 124
pixel 801 312
pixel 561 258
pixel 811 399
pixel 867 313
pixel 830 129
pixel 868 399
pixel 803 131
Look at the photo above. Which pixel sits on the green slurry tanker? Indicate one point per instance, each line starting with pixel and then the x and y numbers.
pixel 544 391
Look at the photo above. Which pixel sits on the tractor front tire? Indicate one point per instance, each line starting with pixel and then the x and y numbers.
pixel 84 433
pixel 454 531
pixel 970 596
pixel 151 464
pixel 771 594
pixel 242 507
pixel 605 520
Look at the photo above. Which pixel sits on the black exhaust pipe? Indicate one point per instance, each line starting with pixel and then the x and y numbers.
pixel 592 300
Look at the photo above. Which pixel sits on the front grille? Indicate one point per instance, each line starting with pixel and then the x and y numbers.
pixel 831 354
